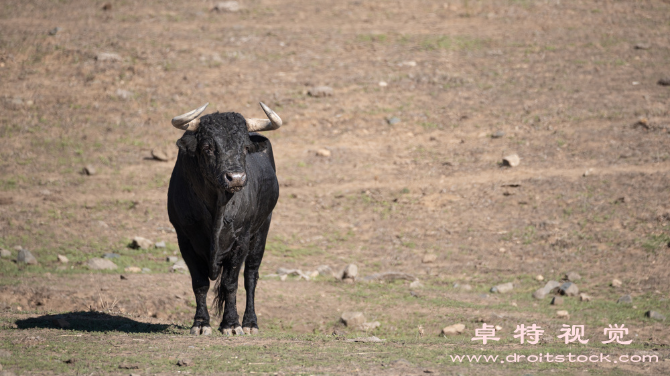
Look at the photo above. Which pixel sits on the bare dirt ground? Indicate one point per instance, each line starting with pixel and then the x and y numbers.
pixel 569 86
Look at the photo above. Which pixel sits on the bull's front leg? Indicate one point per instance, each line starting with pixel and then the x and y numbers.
pixel 230 323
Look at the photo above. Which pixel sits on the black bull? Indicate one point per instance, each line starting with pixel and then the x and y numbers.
pixel 220 200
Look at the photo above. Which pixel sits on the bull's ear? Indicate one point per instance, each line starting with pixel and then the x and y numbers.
pixel 188 144
pixel 258 143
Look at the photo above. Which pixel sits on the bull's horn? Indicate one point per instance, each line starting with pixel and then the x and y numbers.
pixel 189 121
pixel 270 124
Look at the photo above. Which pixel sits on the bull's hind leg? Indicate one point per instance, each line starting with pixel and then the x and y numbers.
pixel 200 284
pixel 253 262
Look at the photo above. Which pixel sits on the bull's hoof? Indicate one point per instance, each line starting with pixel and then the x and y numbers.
pixel 227 332
pixel 201 330
pixel 239 331
pixel 250 331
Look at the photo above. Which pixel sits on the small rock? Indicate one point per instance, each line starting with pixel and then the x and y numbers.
pixel 159 155
pixel 409 63
pixel 393 120
pixel 616 283
pixel 5 253
pixel 18 247
pixel 588 172
pixel 55 30
pixel 540 293
pixel 107 7
pixel 88 170
pixel 123 277
pixel 107 56
pixel 227 6
pixel 324 270
pixel 503 288
pixel 539 277
pixel 498 134
pixel 352 319
pixel 172 259
pixel 383 84
pixel 642 46
pixel 511 160
pixel 563 314
pixel 350 271
pixel 313 274
pixel 557 300
pixel 366 339
pixel 180 265
pixel 655 315
pixel 61 323
pixel 160 245
pixel 111 255
pixel 464 287
pixel 572 276
pixel 416 284
pixel 102 224
pixel 63 259
pixel 370 325
pixel 131 269
pixel 146 270
pixel 101 264
pixel 323 153
pixel 141 243
pixel 25 257
pixel 429 258
pixel 184 362
pixel 584 297
pixel 453 330
pixel 665 81
pixel 569 289
pixel 5 354
pixel 124 94
pixel 321 91
pixel 626 299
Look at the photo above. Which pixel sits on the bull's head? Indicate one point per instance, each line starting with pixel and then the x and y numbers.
pixel 221 142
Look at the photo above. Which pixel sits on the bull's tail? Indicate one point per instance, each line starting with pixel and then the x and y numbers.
pixel 220 297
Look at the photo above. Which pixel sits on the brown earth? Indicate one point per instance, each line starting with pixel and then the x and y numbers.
pixel 572 85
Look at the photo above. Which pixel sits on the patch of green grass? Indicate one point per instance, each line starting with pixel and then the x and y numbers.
pixel 654 242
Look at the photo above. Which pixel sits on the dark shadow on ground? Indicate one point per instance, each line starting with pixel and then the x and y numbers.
pixel 95 322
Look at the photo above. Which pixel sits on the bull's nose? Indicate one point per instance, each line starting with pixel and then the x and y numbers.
pixel 236 179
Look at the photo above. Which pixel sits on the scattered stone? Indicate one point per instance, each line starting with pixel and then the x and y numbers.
pixel 25 257
pixel 409 63
pixel 370 325
pixel 616 283
pixel 352 319
pixel 5 253
pixel 498 134
pixel 5 354
pixel 588 172
pixel 572 276
pixel 350 271
pixel 626 299
pixel 511 160
pixel 107 56
pixel 129 366
pixel 389 277
pixel 60 323
pixel 283 273
pixel 383 84
pixel 107 7
pixel 393 120
pixel 141 243
pixel 184 362
pixel 227 6
pixel 429 258
pixel 539 277
pixel 465 287
pixel 146 270
pixel 102 224
pixel 323 153
pixel 111 255
pixel 160 245
pixel 70 361
pixel 563 314
pixel 569 289
pixel 655 315
pixel 88 170
pixel 131 269
pixel 320 91
pixel 584 297
pixel 18 247
pixel 55 30
pixel 159 155
pixel 180 265
pixel 542 292
pixel 665 81
pixel 324 270
pixel 124 94
pixel 503 288
pixel 416 284
pixel 453 330
pixel 101 264
pixel 557 300
pixel 63 259
pixel 642 46
pixel 172 259
pixel 366 339
pixel 313 274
